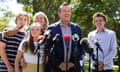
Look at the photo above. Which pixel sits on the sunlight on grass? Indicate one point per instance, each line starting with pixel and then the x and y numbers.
pixel 115 67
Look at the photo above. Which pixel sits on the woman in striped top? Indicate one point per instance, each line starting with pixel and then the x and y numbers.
pixel 9 45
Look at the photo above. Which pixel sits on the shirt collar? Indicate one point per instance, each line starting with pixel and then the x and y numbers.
pixel 104 30
pixel 61 24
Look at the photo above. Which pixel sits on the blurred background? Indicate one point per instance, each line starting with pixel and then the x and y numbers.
pixel 82 11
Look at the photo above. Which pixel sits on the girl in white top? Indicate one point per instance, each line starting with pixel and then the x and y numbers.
pixel 27 48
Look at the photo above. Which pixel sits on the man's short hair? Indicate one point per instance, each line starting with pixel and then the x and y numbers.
pixel 64 4
pixel 99 14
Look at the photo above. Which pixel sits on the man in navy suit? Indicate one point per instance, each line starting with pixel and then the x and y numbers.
pixel 64 59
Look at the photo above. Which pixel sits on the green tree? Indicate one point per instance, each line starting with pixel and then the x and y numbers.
pixel 5 16
pixel 82 11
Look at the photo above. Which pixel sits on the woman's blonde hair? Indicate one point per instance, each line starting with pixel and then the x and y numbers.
pixel 45 17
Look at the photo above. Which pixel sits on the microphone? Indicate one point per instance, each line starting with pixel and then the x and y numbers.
pixel 56 38
pixel 87 48
pixel 75 38
pixel 55 41
pixel 47 34
pixel 67 39
pixel 39 39
pixel 97 44
pixel 84 43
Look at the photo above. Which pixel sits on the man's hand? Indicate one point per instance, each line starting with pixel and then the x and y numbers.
pixel 70 65
pixel 100 66
pixel 63 67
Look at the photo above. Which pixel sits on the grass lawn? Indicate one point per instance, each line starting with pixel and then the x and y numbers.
pixel 115 67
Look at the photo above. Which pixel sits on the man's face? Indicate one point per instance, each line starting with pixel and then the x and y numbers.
pixel 99 22
pixel 65 13
pixel 22 21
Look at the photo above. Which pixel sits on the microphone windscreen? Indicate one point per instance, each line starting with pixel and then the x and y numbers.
pixel 75 37
pixel 84 41
pixel 47 34
pixel 41 37
pixel 67 38
pixel 85 44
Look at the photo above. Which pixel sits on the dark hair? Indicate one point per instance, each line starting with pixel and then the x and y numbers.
pixel 64 4
pixel 99 14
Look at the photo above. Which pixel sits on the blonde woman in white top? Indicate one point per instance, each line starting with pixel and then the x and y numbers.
pixel 27 48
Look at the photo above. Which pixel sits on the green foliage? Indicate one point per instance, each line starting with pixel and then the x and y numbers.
pixel 86 65
pixel 5 17
pixel 82 12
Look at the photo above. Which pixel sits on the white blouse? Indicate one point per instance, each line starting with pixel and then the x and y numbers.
pixel 29 57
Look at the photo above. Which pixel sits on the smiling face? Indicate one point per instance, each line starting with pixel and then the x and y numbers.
pixel 65 13
pixel 99 20
pixel 99 23
pixel 22 20
pixel 35 30
pixel 40 19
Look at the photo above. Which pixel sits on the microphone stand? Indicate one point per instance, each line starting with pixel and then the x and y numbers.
pixel 91 56
pixel 75 55
pixel 67 60
pixel 38 52
pixel 96 68
pixel 52 53
pixel 118 49
pixel 38 58
pixel 44 58
pixel 97 60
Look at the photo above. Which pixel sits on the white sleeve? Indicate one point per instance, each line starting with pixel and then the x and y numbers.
pixel 20 48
